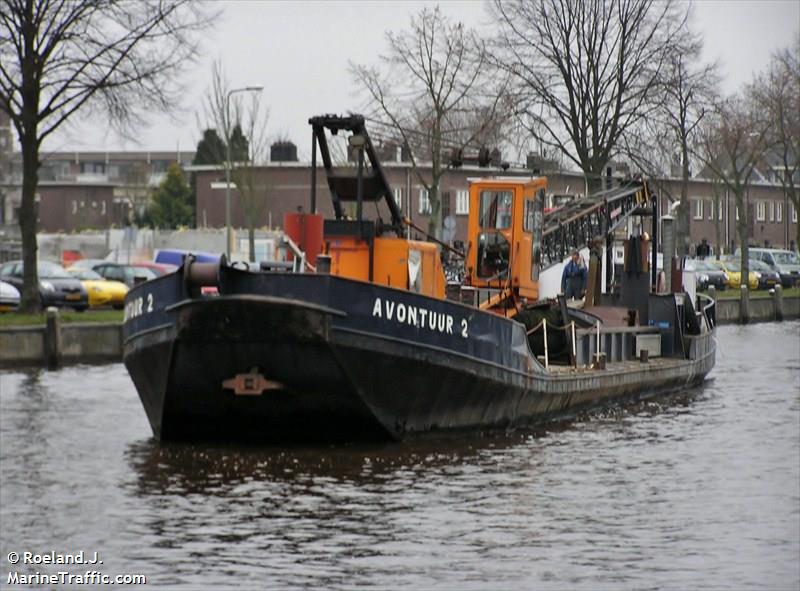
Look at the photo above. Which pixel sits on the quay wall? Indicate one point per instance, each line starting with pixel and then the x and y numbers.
pixel 96 342
pixel 91 342
pixel 760 310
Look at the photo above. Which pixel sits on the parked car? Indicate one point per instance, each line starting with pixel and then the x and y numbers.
pixel 175 256
pixel 158 268
pixel 9 297
pixel 130 275
pixel 767 277
pixel 102 292
pixel 734 271
pixel 785 262
pixel 56 286
pixel 707 274
pixel 86 263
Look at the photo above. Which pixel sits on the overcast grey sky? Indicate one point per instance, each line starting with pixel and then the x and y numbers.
pixel 299 52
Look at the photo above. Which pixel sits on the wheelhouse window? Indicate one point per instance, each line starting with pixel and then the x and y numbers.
pixel 493 254
pixel 495 209
pixel 528 216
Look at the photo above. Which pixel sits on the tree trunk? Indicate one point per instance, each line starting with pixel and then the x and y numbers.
pixel 595 181
pixel 745 262
pixel 435 219
pixel 251 238
pixel 683 228
pixel 31 302
pixel 717 228
pixel 744 238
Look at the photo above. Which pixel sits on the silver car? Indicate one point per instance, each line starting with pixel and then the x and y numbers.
pixel 9 297
pixel 785 262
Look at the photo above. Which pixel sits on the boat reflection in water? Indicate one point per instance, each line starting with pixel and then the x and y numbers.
pixel 187 468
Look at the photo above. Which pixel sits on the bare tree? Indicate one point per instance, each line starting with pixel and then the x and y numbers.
pixel 137 190
pixel 586 72
pixel 434 90
pixel 689 91
pixel 777 92
pixel 731 148
pixel 253 191
pixel 669 138
pixel 61 58
pixel 233 114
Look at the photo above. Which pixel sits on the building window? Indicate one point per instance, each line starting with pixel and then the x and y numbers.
pixel 698 209
pixel 761 211
pixel 737 213
pixel 710 210
pixel 779 212
pixel 93 167
pixel 772 211
pixel 719 210
pixel 103 208
pixel 398 196
pixel 462 202
pixel 424 202
pixel 794 214
pixel 74 207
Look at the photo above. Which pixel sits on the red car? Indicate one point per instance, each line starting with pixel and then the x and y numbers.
pixel 157 268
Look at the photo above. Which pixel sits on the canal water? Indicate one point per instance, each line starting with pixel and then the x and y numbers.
pixel 700 490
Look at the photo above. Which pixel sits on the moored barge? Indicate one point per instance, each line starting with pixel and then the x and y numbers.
pixel 370 347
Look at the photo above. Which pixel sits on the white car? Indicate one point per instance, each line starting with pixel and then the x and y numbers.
pixel 9 297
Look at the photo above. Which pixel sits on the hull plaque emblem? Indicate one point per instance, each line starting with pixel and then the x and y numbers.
pixel 250 384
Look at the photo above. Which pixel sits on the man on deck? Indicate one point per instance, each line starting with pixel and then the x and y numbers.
pixel 573 280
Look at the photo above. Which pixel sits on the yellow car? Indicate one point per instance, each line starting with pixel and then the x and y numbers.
pixel 734 271
pixel 102 292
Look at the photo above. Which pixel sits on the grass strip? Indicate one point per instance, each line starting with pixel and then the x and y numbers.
pixel 67 316
pixel 733 294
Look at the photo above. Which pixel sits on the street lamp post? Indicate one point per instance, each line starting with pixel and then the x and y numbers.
pixel 228 163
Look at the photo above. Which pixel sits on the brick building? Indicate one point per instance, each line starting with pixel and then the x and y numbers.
pixel 286 187
pixel 81 190
pixel 88 190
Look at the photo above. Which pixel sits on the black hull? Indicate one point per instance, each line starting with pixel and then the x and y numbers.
pixel 332 382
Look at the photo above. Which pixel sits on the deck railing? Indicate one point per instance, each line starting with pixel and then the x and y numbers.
pixel 618 343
